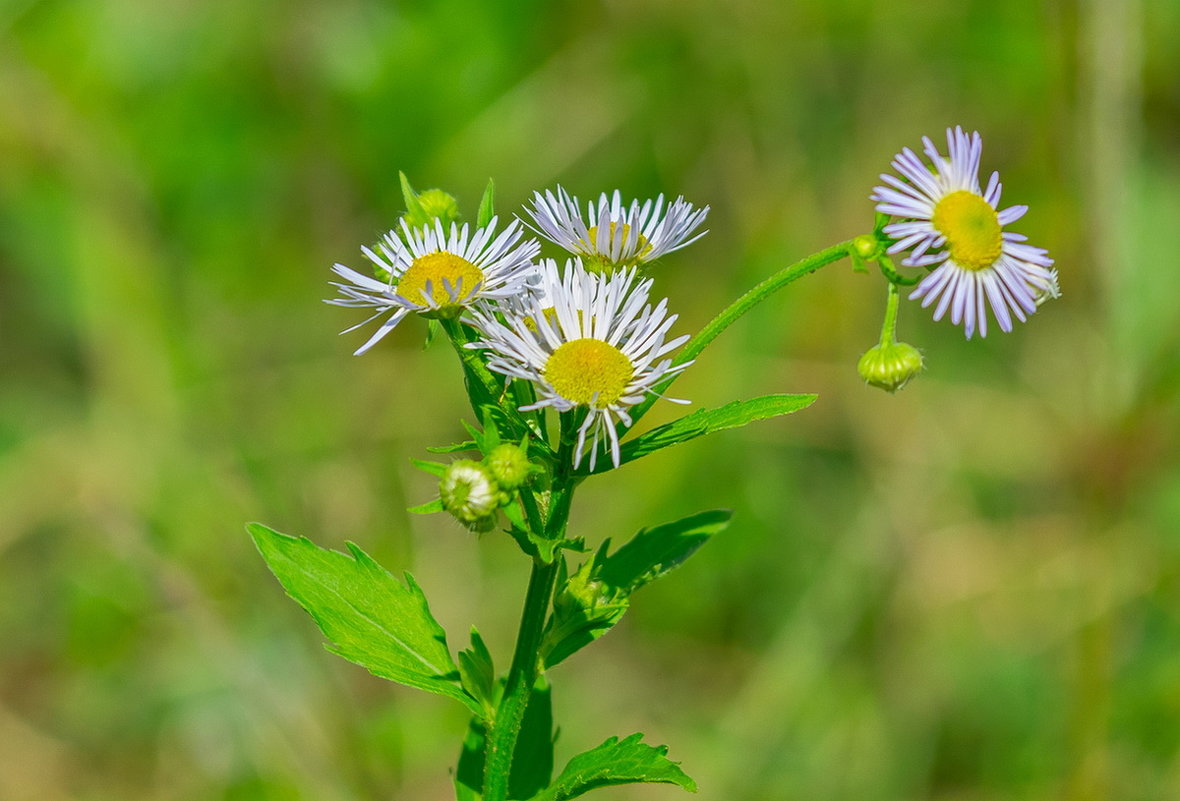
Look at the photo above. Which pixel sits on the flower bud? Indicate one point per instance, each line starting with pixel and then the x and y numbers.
pixel 509 466
pixel 890 366
pixel 867 246
pixel 433 204
pixel 469 492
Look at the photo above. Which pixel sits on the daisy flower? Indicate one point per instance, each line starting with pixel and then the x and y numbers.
pixel 611 235
pixel 438 274
pixel 590 342
pixel 949 222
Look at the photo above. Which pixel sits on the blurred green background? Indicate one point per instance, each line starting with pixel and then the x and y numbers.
pixel 965 592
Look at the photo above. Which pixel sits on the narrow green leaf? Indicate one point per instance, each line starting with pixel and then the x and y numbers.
pixel 628 761
pixel 456 447
pixel 433 468
pixel 428 508
pixel 414 208
pixel 487 208
pixel 654 551
pixel 477 672
pixel 369 616
pixel 706 421
pixel 469 771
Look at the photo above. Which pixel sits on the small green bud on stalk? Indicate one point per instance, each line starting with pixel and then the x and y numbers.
pixel 890 365
pixel 509 466
pixel 470 493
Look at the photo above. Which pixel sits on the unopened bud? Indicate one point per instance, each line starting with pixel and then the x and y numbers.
pixel 867 246
pixel 434 204
pixel 509 466
pixel 469 492
pixel 890 366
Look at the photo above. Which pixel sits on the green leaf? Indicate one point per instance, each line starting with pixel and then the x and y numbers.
pixel 433 468
pixel 654 551
pixel 369 616
pixel 428 508
pixel 469 771
pixel 456 447
pixel 414 208
pixel 614 762
pixel 594 599
pixel 487 208
pixel 477 672
pixel 706 421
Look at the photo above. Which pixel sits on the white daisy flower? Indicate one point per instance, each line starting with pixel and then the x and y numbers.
pixel 592 342
pixel 611 235
pixel 951 223
pixel 436 274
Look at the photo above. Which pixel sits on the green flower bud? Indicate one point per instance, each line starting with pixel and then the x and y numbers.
pixel 509 466
pixel 890 366
pixel 867 246
pixel 433 204
pixel 470 493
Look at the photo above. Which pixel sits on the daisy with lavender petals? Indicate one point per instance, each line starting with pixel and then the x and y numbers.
pixel 612 236
pixel 590 342
pixel 438 275
pixel 953 228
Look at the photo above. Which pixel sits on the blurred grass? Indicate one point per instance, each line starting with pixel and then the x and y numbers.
pixel 966 592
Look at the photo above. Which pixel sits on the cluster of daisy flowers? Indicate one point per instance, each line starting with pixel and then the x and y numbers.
pixel 584 335
pixel 954 228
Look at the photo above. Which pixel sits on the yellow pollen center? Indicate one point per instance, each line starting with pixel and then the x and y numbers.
pixel 640 245
pixel 434 268
pixel 971 228
pixel 587 371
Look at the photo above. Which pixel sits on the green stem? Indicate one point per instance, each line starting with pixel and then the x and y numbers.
pixel 526 659
pixel 729 315
pixel 480 380
pixel 760 293
pixel 522 675
pixel 889 327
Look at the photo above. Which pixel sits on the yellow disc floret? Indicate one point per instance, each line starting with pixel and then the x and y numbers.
pixel 971 228
pixel 589 371
pixel 597 262
pixel 435 269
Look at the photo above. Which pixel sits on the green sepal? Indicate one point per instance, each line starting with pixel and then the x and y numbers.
pixel 369 616
pixel 879 223
pixel 487 208
pixel 478 674
pixel 616 761
pixel 532 758
pixel 706 421
pixel 428 508
pixel 433 468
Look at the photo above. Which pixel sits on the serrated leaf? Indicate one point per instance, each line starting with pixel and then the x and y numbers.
pixel 654 551
pixel 628 761
pixel 706 421
pixel 487 203
pixel 428 508
pixel 596 597
pixel 369 616
pixel 477 672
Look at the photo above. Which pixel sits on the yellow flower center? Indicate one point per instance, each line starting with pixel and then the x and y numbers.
pixel 971 228
pixel 597 263
pixel 435 268
pixel 587 371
